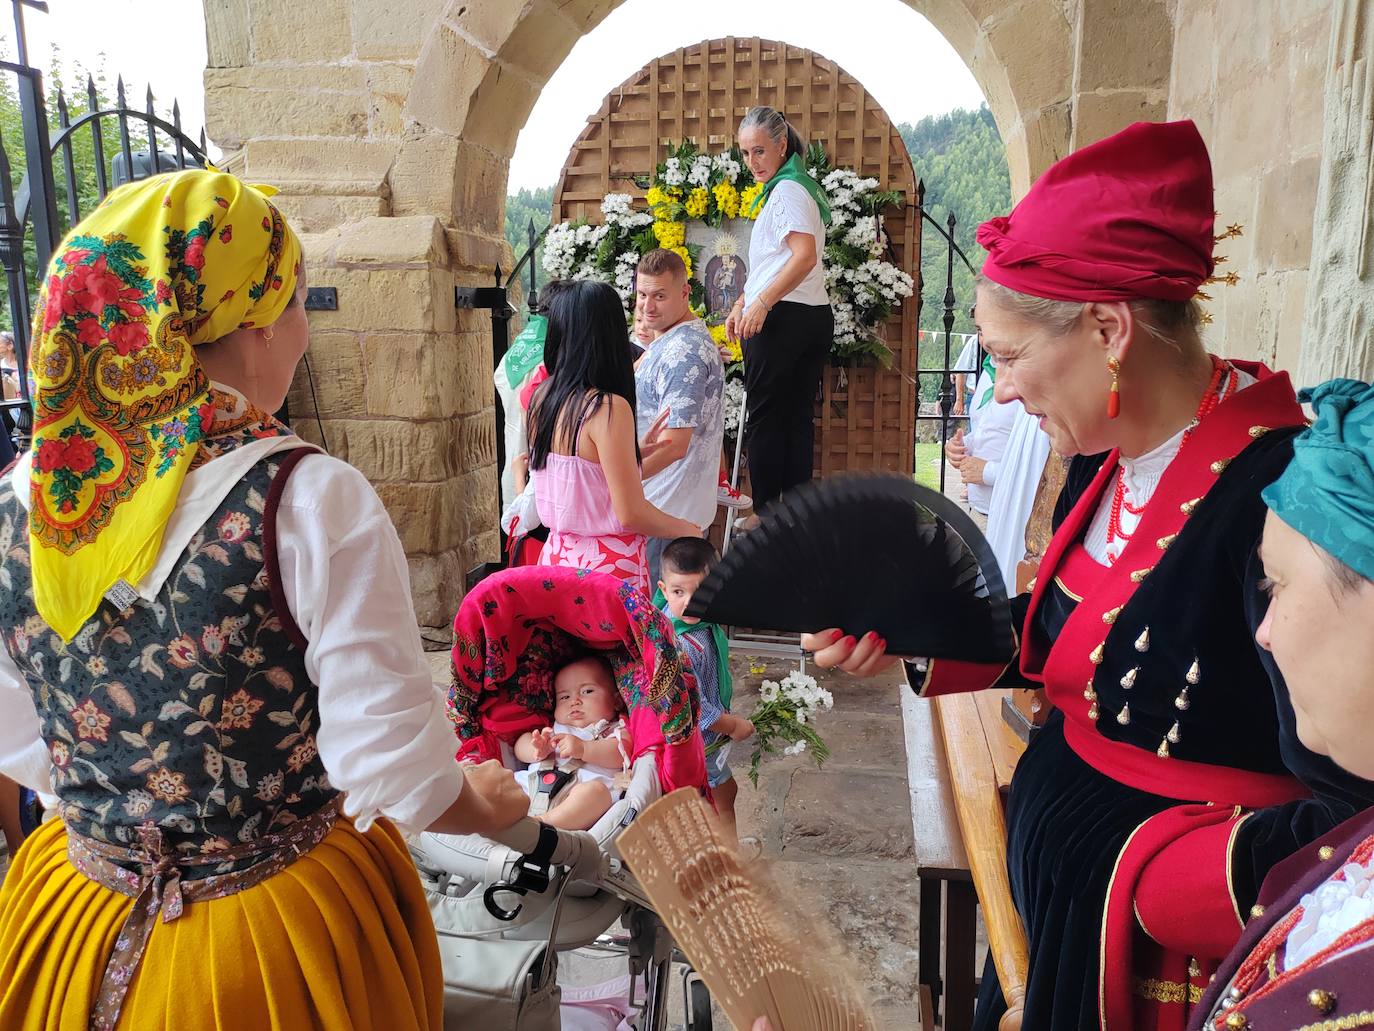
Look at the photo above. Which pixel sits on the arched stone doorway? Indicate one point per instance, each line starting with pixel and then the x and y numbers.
pixel 389 125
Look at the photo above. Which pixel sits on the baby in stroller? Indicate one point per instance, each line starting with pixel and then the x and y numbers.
pixel 577 764
pixel 520 636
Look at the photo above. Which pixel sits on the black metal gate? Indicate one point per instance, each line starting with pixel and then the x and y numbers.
pixel 36 214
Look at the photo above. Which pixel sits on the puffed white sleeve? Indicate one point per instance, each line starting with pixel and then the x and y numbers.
pixel 24 757
pixel 383 737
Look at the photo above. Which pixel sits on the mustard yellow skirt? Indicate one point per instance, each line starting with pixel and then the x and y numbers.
pixel 341 939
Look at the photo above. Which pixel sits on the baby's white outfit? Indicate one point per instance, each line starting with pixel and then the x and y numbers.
pixel 585 771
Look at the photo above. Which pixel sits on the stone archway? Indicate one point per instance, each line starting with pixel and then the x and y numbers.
pixel 389 125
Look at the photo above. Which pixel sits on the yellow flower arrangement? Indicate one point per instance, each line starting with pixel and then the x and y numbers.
pixel 655 197
pixel 670 235
pixel 730 350
pixel 697 202
pixel 727 199
pixel 746 201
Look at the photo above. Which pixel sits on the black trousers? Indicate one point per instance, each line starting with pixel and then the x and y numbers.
pixel 782 369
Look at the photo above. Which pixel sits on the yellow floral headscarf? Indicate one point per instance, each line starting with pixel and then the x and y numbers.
pixel 120 402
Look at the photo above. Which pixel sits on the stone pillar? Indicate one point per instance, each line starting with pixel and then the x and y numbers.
pixel 1338 331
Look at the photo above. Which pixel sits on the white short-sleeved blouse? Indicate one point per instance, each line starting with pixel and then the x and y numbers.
pixel 789 209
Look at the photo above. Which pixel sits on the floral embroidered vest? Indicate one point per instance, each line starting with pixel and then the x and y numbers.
pixel 193 711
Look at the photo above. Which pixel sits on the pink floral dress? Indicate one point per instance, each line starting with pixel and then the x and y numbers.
pixel 574 502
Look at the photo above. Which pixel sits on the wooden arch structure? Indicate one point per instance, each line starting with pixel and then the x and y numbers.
pixel 867 416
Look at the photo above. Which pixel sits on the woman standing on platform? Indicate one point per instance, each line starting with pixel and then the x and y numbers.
pixel 784 315
pixel 209 659
pixel 1170 777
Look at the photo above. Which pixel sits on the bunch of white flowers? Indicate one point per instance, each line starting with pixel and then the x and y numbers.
pixel 625 263
pixel 784 717
pixel 727 166
pixel 560 251
pixel 734 405
pixel 700 172
pixel 795 748
pixel 672 172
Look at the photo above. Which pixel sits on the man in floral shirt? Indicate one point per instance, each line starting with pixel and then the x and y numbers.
pixel 682 374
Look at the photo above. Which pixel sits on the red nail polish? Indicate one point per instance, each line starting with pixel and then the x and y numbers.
pixel 850 641
pixel 835 635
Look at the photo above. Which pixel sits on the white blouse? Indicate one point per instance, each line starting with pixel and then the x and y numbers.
pixel 384 737
pixel 1328 912
pixel 1141 476
pixel 789 209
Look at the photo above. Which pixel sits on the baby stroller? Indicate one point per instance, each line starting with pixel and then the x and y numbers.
pixel 504 910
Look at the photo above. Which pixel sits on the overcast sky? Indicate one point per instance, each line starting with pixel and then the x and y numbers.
pixel 900 58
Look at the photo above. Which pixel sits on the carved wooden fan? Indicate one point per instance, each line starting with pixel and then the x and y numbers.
pixel 744 938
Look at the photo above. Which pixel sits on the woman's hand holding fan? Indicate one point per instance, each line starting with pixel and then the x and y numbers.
pixel 864 656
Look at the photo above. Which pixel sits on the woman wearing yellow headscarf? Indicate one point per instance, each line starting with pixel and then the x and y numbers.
pixel 211 667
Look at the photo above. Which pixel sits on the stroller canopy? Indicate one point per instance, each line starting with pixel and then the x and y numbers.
pixel 518 627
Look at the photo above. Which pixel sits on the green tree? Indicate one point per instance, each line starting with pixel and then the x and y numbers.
pixel 523 207
pixel 960 158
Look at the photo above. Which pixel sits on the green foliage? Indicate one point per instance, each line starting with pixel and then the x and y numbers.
pixel 960 158
pixel 520 209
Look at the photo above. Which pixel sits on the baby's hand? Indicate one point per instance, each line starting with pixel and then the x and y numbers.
pixel 542 740
pixel 741 729
pixel 570 746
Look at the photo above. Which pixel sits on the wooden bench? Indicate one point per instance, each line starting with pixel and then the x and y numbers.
pixel 960 757
pixel 942 872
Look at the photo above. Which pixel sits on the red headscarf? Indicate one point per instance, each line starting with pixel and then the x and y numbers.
pixel 1129 216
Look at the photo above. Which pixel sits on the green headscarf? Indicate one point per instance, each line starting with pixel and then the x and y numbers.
pixel 991 371
pixel 722 643
pixel 1327 491
pixel 794 170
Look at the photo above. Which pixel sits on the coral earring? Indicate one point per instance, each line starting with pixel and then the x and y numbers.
pixel 1114 403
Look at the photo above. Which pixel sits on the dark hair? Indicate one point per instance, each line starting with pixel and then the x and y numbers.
pixel 775 124
pixel 552 289
pixel 660 262
pixel 1344 580
pixel 587 353
pixel 689 556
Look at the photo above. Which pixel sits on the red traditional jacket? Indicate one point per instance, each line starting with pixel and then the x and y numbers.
pixel 1168 631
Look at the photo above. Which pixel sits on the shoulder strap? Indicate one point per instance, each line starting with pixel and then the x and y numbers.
pixel 269 543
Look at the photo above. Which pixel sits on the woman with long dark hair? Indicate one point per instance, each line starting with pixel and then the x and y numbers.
pixel 784 315
pixel 584 457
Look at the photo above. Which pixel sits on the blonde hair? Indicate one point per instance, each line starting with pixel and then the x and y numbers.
pixel 1174 323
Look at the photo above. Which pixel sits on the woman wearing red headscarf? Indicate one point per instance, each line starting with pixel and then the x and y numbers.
pixel 1170 778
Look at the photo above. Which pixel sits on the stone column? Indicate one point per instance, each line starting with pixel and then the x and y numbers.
pixel 1338 331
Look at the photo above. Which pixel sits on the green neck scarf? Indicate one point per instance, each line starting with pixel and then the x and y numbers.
pixel 526 350
pixel 794 170
pixel 991 371
pixel 680 627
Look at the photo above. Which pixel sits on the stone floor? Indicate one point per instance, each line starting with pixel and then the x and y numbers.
pixel 842 834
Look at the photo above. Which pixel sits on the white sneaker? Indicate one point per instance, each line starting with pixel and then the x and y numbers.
pixel 730 497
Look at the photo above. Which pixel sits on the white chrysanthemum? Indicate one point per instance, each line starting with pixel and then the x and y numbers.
pixel 768 691
pixel 734 406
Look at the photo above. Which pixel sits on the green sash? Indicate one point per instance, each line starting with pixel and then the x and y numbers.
pixel 794 170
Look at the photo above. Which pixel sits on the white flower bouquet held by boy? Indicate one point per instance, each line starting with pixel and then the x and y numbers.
pixel 783 721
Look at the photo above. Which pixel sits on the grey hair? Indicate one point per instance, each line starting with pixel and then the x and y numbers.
pixel 1170 322
pixel 775 125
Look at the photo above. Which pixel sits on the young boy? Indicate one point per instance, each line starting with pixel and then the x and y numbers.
pixel 685 563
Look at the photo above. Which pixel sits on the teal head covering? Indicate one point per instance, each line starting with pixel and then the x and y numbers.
pixel 1327 491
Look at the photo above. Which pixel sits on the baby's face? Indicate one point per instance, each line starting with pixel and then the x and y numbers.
pixel 583 694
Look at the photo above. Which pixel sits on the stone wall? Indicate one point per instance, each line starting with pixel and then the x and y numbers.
pixel 1252 76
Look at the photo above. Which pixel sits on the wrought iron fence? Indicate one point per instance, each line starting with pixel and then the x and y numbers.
pixel 36 213
pixel 949 304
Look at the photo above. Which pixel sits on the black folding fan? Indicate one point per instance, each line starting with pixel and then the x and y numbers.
pixel 866 552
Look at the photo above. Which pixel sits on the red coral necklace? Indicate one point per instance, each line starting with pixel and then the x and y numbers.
pixel 1212 397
